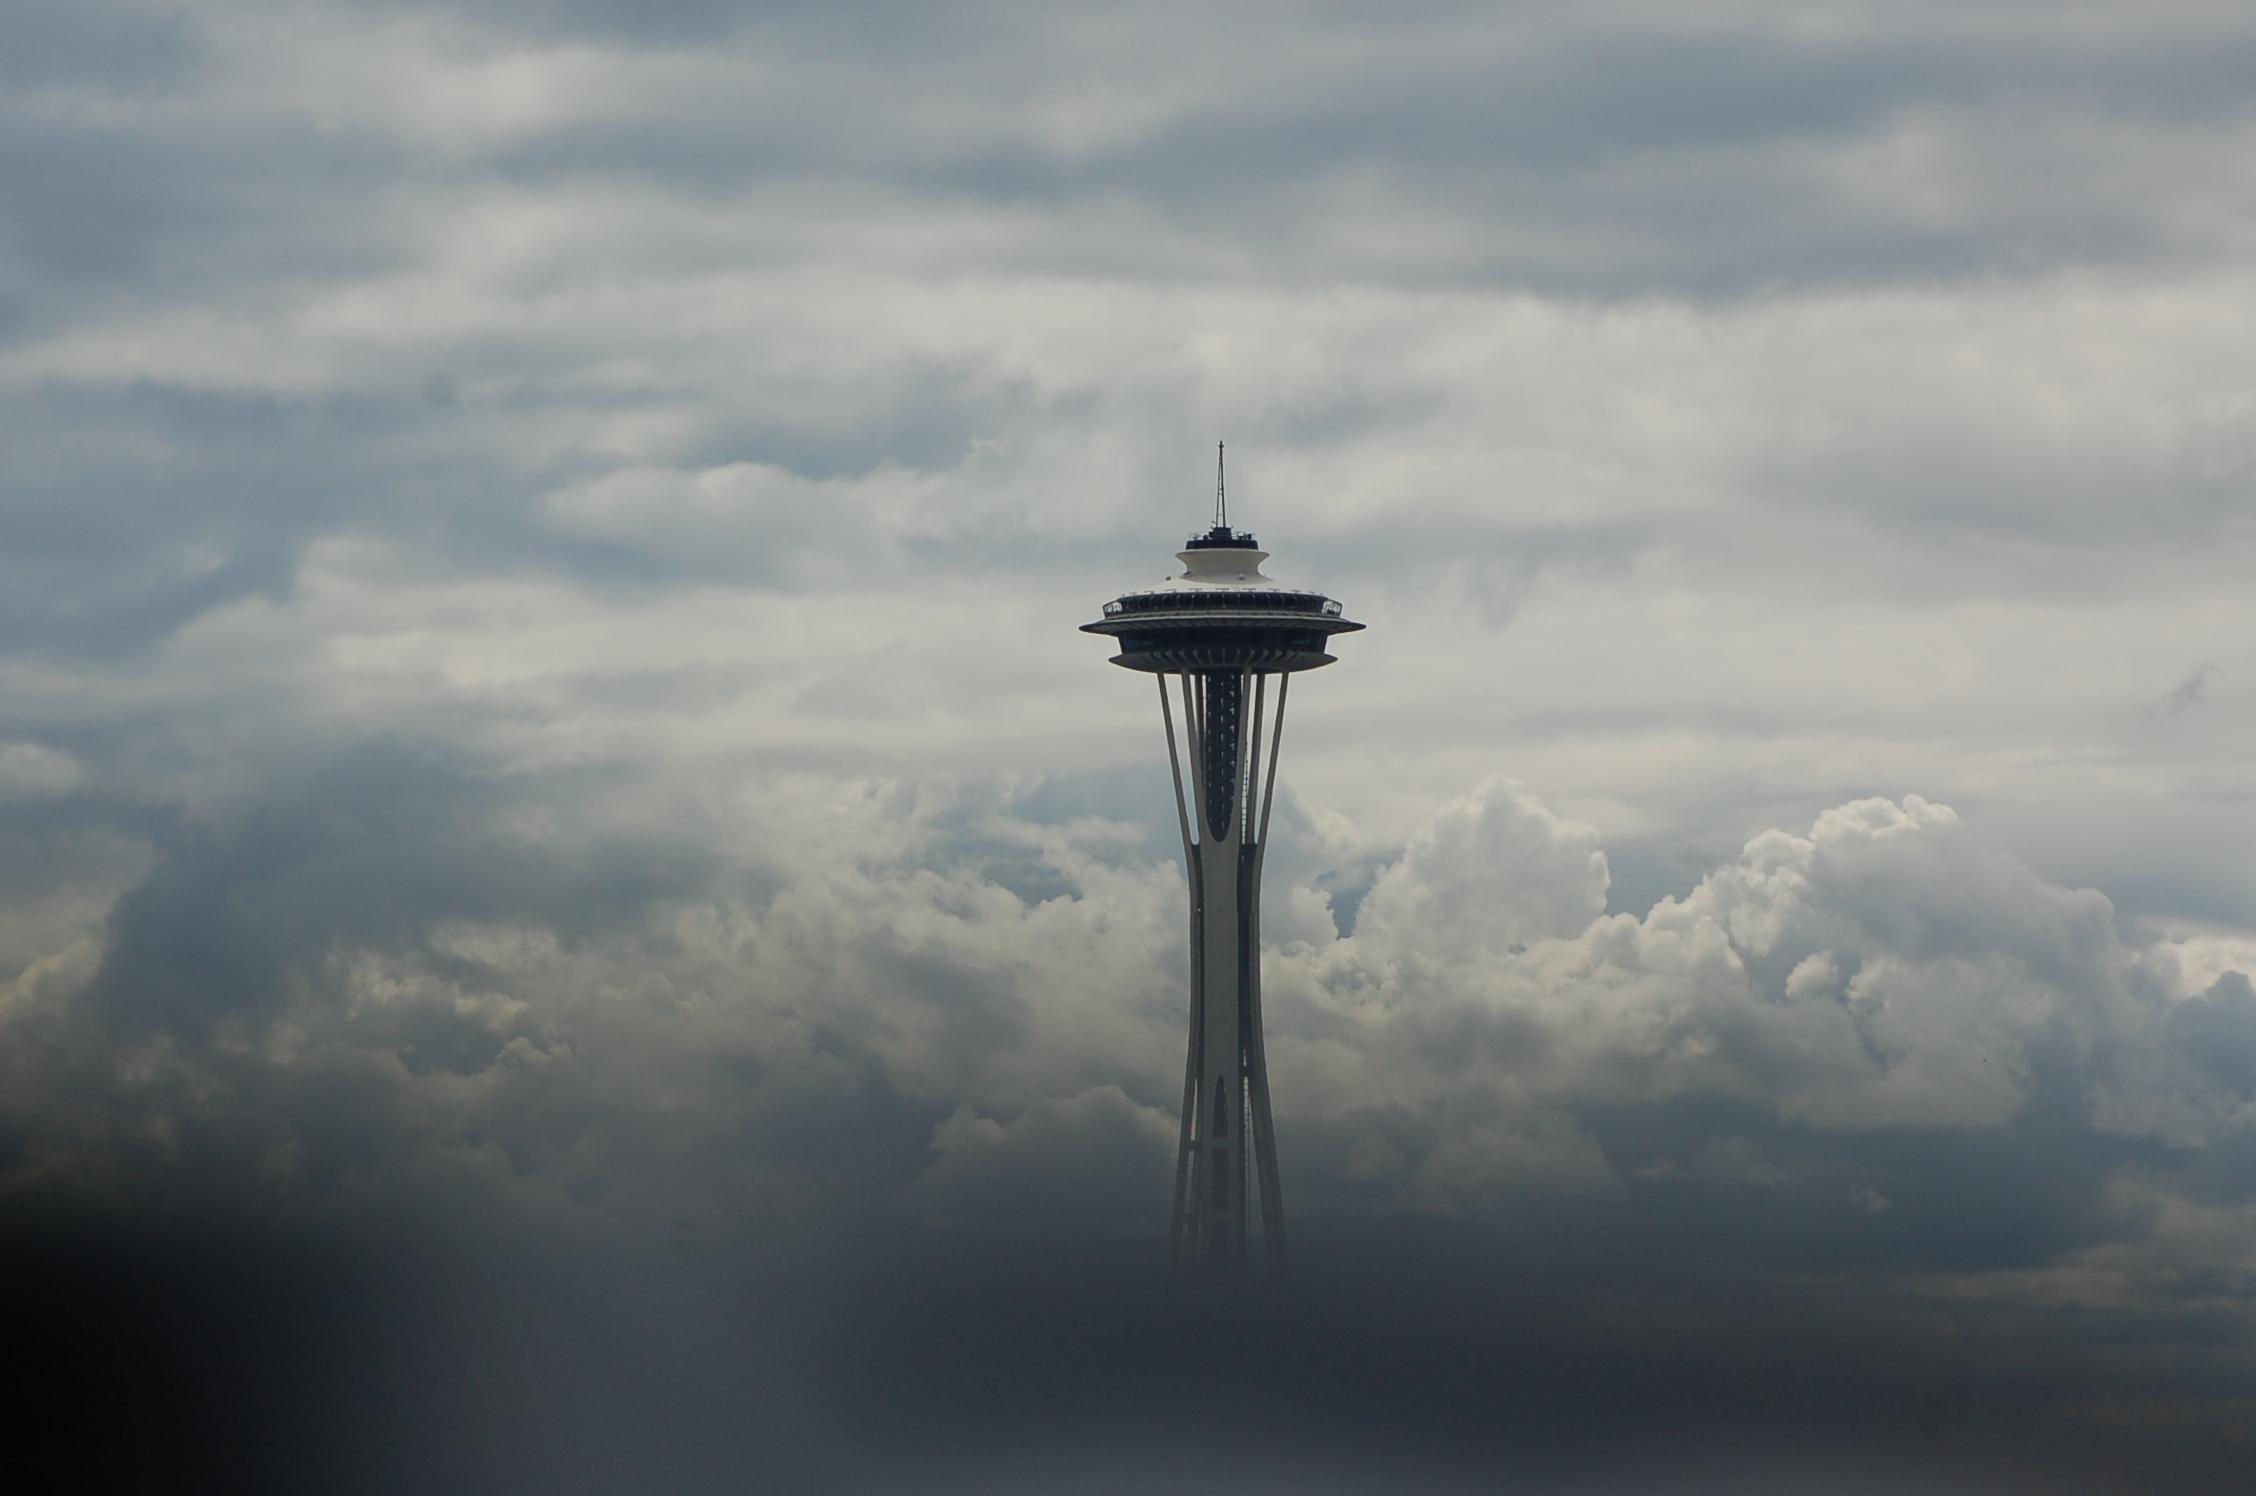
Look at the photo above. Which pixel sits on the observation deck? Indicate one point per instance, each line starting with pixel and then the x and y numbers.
pixel 1222 613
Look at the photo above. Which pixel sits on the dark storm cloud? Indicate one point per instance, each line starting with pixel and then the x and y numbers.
pixel 2216 1033
pixel 373 849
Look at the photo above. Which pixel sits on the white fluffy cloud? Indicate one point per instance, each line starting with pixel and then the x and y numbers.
pixel 986 1010
pixel 1495 871
pixel 1883 970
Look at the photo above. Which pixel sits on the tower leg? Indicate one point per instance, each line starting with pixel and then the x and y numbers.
pixel 1226 1151
pixel 1182 1218
pixel 1257 1059
pixel 1258 1120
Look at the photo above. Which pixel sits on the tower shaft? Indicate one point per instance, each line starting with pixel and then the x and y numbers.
pixel 1229 1205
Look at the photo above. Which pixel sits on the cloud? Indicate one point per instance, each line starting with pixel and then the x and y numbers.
pixel 1883 976
pixel 1899 1054
pixel 1495 871
pixel 2189 694
pixel 1083 1157
pixel 545 768
pixel 33 771
pixel 1883 970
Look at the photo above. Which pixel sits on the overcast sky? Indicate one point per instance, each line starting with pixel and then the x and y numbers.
pixel 574 911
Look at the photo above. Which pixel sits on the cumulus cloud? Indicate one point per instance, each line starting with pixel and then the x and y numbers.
pixel 1495 871
pixel 1883 1047
pixel 944 1024
pixel 1470 1046
pixel 1883 970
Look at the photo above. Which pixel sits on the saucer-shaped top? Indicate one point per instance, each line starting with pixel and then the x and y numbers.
pixel 1222 613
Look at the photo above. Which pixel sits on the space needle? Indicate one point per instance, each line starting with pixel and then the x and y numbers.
pixel 1214 635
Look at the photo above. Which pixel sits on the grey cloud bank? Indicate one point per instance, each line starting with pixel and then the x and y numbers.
pixel 573 910
pixel 1874 1150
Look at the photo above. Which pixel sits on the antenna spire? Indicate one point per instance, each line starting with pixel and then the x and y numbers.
pixel 1221 496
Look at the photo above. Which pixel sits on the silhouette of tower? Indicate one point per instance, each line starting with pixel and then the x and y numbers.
pixel 1219 631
